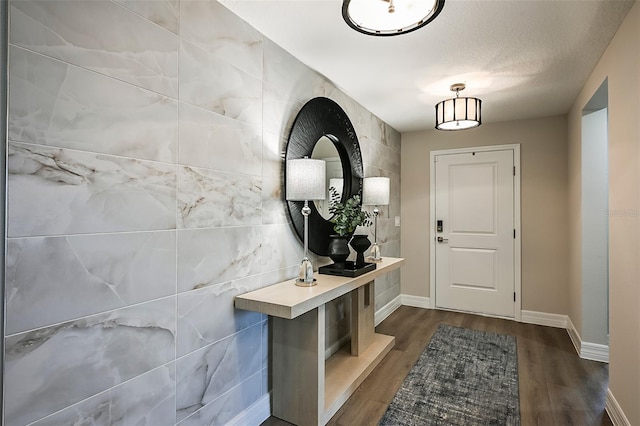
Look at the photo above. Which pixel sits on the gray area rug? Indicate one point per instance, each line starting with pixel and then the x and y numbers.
pixel 464 377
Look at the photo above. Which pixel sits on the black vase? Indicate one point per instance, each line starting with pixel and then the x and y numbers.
pixel 360 244
pixel 338 248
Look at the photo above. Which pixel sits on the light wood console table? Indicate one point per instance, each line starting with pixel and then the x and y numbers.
pixel 306 389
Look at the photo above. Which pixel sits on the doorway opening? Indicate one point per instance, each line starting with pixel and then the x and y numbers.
pixel 595 227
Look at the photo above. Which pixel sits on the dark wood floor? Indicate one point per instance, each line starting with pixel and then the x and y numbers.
pixel 556 386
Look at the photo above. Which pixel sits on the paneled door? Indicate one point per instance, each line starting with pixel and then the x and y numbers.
pixel 475 232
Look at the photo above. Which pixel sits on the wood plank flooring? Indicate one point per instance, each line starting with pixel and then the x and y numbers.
pixel 556 386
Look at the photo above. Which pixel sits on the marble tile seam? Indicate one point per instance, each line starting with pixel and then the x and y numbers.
pixel 83 317
pixel 104 392
pixel 70 64
pixel 94 234
pixel 223 283
pixel 85 151
pixel 178 99
pixel 147 19
pixel 198 45
pixel 217 57
pixel 168 163
pixel 234 388
pixel 226 172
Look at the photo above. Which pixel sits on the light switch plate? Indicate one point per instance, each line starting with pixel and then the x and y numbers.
pixel 397 220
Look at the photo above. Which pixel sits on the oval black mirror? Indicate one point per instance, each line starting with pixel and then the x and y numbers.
pixel 323 117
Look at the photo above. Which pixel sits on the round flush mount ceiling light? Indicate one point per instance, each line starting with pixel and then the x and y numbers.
pixel 458 113
pixel 389 17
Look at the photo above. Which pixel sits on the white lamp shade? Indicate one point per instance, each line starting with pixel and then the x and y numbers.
pixel 306 179
pixel 375 191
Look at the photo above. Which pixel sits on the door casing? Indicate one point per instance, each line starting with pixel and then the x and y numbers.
pixel 517 267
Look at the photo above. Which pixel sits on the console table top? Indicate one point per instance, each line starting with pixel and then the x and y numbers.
pixel 287 300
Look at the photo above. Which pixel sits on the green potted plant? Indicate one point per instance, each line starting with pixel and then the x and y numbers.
pixel 346 217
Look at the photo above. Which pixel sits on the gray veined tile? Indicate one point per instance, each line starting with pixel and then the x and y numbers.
pixel 213 141
pixel 229 405
pixel 57 191
pixel 209 198
pixel 53 103
pixel 205 375
pixel 273 150
pixel 265 346
pixel 279 110
pixel 281 247
pixel 55 279
pixel 288 74
pixel 265 381
pixel 384 157
pixel 162 12
pixel 274 207
pixel 392 137
pixel 49 369
pixel 214 84
pixel 148 399
pixel 100 36
pixel 214 28
pixel 207 315
pixel 214 256
pixel 287 273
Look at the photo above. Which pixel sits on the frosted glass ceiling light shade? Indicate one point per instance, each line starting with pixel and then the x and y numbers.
pixel 375 191
pixel 306 179
pixel 389 17
pixel 458 113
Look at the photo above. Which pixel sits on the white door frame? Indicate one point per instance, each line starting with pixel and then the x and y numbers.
pixel 517 270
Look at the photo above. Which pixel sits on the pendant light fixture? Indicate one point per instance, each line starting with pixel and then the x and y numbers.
pixel 458 113
pixel 389 17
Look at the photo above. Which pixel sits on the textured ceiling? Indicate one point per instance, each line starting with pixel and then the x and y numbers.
pixel 524 59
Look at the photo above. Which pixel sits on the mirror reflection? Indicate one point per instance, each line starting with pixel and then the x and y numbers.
pixel 326 150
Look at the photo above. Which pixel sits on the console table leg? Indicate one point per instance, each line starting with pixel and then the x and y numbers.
pixel 362 318
pixel 299 367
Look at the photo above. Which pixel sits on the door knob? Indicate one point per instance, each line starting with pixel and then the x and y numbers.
pixel 442 240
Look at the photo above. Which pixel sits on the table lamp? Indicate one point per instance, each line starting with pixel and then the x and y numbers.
pixel 375 192
pixel 305 180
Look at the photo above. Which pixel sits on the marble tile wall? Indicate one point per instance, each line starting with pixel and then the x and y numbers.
pixel 144 193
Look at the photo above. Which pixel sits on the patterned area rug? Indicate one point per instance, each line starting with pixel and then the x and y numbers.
pixel 464 377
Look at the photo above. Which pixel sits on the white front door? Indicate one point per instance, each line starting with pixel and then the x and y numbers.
pixel 474 252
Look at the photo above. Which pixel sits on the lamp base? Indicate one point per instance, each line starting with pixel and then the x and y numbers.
pixel 305 275
pixel 304 283
pixel 375 254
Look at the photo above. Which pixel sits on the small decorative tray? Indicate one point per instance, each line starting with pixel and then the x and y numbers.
pixel 347 269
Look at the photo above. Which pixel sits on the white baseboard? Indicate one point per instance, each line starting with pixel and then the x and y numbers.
pixel 382 313
pixel 415 301
pixel 615 411
pixel 543 318
pixel 587 350
pixel 574 336
pixel 255 414
pixel 594 352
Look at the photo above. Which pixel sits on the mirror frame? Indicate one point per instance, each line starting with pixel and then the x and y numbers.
pixel 323 117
